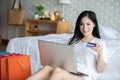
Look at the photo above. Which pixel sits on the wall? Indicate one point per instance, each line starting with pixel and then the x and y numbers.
pixel 3 18
pixel 107 12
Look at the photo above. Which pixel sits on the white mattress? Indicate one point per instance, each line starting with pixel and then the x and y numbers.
pixel 29 45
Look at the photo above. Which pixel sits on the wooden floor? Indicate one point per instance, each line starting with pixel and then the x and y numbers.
pixel 3 46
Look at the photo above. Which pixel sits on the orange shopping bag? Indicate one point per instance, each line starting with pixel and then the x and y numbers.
pixel 15 67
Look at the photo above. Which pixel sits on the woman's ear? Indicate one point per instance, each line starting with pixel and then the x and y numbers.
pixel 94 25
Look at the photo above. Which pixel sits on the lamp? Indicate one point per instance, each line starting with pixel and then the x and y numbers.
pixel 64 2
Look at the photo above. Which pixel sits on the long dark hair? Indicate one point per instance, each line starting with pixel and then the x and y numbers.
pixel 77 33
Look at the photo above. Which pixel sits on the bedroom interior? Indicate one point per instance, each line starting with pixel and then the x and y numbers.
pixel 26 42
pixel 107 13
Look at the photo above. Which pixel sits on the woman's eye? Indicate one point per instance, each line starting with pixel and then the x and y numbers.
pixel 88 24
pixel 81 24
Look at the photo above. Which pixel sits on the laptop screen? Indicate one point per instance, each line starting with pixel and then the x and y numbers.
pixel 57 55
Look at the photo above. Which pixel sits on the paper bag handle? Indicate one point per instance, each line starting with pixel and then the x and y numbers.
pixel 19 3
pixel 20 63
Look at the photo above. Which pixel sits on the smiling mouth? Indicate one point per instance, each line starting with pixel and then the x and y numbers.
pixel 85 31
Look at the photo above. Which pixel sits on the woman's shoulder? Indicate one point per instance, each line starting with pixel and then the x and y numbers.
pixel 98 40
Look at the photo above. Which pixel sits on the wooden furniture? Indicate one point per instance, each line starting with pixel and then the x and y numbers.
pixel 0 40
pixel 0 43
pixel 31 27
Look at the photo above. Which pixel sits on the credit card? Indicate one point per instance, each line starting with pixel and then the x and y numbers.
pixel 89 44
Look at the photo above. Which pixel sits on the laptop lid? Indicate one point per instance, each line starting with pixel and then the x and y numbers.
pixel 57 55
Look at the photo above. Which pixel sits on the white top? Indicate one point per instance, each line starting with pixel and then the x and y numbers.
pixel 86 58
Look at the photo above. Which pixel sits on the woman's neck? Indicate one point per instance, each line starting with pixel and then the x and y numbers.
pixel 87 38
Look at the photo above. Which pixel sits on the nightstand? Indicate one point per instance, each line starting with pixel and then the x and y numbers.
pixel 31 27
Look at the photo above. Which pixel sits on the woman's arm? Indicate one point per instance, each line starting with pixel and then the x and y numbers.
pixel 100 62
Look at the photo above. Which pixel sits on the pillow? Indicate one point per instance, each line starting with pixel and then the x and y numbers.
pixel 108 33
pixel 112 46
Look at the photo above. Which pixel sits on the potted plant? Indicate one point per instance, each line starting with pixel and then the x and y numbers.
pixel 36 16
pixel 39 9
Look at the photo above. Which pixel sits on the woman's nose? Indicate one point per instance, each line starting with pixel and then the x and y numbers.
pixel 84 27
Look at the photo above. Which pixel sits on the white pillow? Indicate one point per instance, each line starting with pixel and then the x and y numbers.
pixel 108 33
pixel 112 46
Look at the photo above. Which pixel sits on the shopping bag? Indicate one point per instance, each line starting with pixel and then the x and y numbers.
pixel 16 15
pixel 4 52
pixel 14 67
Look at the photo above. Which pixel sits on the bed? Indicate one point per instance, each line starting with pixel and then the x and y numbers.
pixel 29 45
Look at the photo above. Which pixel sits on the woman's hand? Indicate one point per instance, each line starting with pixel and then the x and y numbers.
pixel 98 49
pixel 100 62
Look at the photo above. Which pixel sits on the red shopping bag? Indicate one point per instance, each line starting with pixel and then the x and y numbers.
pixel 14 67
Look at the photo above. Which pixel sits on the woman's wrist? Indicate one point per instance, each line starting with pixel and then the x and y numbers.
pixel 100 58
pixel 100 55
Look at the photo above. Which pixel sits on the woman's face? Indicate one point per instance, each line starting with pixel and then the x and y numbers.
pixel 86 26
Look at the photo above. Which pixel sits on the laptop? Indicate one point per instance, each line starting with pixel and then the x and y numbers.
pixel 57 55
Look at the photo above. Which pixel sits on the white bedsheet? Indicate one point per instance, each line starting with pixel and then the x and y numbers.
pixel 29 45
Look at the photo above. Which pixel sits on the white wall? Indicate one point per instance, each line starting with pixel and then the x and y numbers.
pixel 107 12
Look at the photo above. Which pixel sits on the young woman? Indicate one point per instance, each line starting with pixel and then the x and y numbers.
pixel 90 60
